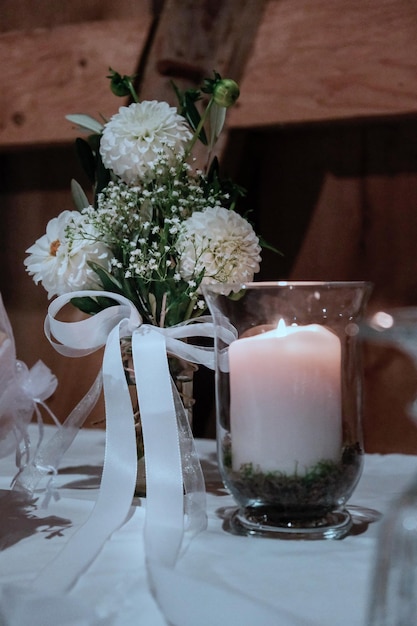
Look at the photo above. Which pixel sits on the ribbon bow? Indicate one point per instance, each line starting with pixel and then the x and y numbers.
pixel 165 504
pixel 171 461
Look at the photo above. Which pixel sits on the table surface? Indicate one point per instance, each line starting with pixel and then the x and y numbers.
pixel 322 582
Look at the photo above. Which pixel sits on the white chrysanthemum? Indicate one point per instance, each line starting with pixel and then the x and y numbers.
pixel 134 137
pixel 220 243
pixel 59 260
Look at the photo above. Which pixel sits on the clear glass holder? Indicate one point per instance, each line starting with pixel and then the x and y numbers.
pixel 288 404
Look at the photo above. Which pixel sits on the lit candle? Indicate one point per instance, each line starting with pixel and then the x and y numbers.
pixel 285 406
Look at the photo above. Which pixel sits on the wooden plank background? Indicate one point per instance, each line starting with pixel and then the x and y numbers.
pixel 327 60
pixel 340 201
pixel 324 138
pixel 67 74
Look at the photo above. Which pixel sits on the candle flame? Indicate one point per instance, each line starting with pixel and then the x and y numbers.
pixel 281 328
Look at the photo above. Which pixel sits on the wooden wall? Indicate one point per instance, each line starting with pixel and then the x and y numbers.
pixel 340 200
pixel 324 138
pixel 56 59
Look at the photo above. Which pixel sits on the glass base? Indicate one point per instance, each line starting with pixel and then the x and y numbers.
pixel 253 522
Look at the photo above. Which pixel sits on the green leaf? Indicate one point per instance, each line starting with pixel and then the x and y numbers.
pixel 193 117
pixel 91 306
pixel 78 195
pixel 87 158
pixel 188 109
pixel 86 122
pixel 122 86
pixel 105 303
pixel 267 246
pixel 102 174
pixel 210 83
pixel 103 177
pixel 109 282
pixel 86 305
pixel 217 118
pixel 213 172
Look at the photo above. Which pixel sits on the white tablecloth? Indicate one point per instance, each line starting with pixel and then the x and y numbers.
pixel 323 582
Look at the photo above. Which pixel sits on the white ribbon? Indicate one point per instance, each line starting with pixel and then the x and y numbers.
pixel 171 460
pixel 172 464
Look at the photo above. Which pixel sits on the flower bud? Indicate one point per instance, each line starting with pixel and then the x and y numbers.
pixel 226 92
pixel 119 85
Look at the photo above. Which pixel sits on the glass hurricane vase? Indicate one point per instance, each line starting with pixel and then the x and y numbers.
pixel 288 405
pixel 182 373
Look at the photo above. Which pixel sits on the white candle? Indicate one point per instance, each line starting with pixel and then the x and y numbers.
pixel 285 398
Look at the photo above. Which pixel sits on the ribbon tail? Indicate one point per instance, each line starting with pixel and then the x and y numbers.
pixel 164 523
pixel 192 474
pixel 50 453
pixel 117 482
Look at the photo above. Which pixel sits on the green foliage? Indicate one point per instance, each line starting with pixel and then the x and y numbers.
pixel 88 153
pixel 267 246
pixel 85 122
pixel 109 282
pixel 217 118
pixel 139 223
pixel 187 108
pixel 122 86
pixel 86 158
pixel 78 196
pixel 224 186
pixel 91 306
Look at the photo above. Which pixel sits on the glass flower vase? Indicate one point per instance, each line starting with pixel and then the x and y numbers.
pixel 288 405
pixel 182 373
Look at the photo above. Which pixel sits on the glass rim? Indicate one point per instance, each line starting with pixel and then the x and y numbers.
pixel 288 283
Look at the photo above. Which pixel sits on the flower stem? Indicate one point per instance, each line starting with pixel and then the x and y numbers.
pixel 163 310
pixel 132 91
pixel 198 129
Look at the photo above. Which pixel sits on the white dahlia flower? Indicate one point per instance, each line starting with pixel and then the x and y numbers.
pixel 221 244
pixel 59 258
pixel 137 135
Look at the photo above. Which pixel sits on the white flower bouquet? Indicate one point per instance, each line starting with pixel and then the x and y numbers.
pixel 157 228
